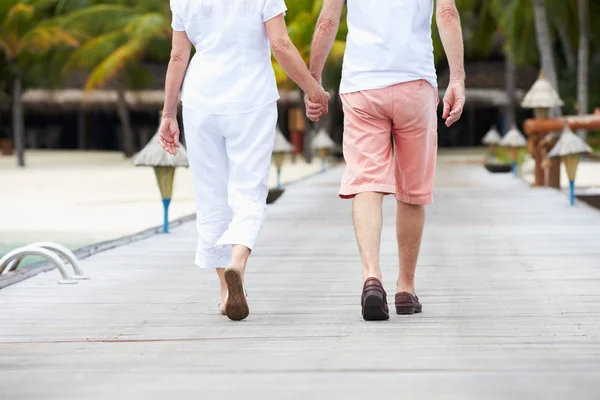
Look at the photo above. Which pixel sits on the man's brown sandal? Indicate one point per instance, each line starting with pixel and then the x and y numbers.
pixel 407 303
pixel 374 301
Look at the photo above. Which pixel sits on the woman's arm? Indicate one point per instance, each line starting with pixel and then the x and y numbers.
pixel 290 60
pixel 180 57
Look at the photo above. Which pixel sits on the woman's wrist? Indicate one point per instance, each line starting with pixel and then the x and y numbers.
pixel 169 113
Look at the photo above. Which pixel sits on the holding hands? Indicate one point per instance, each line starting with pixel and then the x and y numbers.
pixel 316 103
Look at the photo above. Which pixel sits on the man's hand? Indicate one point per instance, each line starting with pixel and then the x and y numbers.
pixel 317 104
pixel 168 134
pixel 454 102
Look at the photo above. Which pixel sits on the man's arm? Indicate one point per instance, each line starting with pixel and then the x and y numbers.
pixel 325 33
pixel 448 22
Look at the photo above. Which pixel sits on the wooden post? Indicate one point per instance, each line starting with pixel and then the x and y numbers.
pixel 554 174
pixel 297 127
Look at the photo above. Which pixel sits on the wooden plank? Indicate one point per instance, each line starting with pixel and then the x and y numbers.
pixel 508 276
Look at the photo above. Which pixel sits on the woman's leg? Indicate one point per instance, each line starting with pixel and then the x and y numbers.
pixel 209 164
pixel 249 141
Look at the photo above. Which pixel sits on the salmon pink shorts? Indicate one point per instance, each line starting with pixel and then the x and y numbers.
pixel 390 142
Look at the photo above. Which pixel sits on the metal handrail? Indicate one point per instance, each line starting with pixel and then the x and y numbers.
pixel 19 253
pixel 65 253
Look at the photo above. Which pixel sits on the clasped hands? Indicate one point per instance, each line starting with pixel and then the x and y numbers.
pixel 317 103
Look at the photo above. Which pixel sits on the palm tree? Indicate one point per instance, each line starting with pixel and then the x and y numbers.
pixel 26 30
pixel 544 40
pixel 119 36
pixel 584 59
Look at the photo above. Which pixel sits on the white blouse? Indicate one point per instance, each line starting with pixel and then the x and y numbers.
pixel 231 72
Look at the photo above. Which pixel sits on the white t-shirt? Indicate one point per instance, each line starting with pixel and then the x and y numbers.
pixel 389 42
pixel 231 72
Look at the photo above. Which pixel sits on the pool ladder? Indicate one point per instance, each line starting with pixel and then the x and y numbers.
pixel 52 252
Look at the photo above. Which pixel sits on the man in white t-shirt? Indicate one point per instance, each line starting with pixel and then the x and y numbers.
pixel 389 90
pixel 229 113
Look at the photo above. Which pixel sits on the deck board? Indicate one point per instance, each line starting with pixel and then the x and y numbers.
pixel 509 277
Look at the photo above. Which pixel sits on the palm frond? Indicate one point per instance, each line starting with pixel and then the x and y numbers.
pixel 43 37
pixel 92 52
pixel 114 63
pixel 18 19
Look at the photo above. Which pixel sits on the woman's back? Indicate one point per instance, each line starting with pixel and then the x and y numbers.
pixel 231 72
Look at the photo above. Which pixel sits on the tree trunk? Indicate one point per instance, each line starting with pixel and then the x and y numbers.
pixel 510 85
pixel 544 41
pixel 567 46
pixel 18 123
pixel 128 139
pixel 584 60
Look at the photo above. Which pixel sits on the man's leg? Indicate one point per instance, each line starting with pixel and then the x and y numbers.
pixel 409 231
pixel 415 141
pixel 369 174
pixel 367 216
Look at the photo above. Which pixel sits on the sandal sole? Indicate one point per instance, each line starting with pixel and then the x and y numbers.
pixel 236 308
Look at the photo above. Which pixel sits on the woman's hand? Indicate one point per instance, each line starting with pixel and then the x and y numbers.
pixel 168 134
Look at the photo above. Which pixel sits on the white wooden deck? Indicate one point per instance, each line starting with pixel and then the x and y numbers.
pixel 509 278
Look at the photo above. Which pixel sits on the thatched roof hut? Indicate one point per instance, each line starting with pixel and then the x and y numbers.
pixel 569 144
pixel 513 138
pixel 282 145
pixel 492 137
pixel 542 95
pixel 322 141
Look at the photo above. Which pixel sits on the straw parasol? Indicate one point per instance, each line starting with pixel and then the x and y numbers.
pixel 542 97
pixel 323 143
pixel 569 148
pixel 164 164
pixel 514 140
pixel 280 149
pixel 492 138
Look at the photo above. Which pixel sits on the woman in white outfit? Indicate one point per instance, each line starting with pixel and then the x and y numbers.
pixel 229 113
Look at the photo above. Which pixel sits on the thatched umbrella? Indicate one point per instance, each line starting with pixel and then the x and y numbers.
pixel 569 148
pixel 323 143
pixel 164 164
pixel 514 140
pixel 492 138
pixel 542 97
pixel 280 149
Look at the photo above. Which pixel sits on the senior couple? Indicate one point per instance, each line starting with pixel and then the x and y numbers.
pixel 390 98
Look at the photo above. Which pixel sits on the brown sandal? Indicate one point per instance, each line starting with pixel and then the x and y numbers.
pixel 236 307
pixel 374 301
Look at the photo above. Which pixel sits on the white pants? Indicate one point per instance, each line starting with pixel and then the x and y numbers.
pixel 230 157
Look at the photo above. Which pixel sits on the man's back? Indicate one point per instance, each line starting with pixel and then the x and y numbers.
pixel 389 42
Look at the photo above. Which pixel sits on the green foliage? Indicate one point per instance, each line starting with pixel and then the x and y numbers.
pixel 301 19
pixel 118 37
pixel 109 38
pixel 503 156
